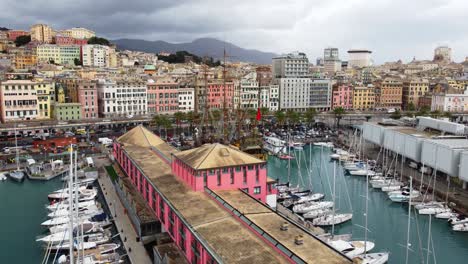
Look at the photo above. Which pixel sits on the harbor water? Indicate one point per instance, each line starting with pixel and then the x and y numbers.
pixel 387 221
pixel 22 207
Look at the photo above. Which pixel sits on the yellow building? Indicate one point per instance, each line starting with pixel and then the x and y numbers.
pixel 413 89
pixel 45 98
pixel 78 33
pixel 42 33
pixel 364 98
pixel 25 61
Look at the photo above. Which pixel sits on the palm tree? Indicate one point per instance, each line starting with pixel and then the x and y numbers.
pixel 293 117
pixel 310 115
pixel 179 116
pixel 396 115
pixel 280 117
pixel 265 111
pixel 339 112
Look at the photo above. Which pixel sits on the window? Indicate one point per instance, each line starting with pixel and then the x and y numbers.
pixel 245 177
pixel 232 177
pixel 219 178
pixel 250 167
pixel 204 179
pixel 257 190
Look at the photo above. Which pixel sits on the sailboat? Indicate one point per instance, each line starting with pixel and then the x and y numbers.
pixel 352 248
pixel 16 175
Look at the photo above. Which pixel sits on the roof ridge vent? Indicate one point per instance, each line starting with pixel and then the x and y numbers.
pixel 225 152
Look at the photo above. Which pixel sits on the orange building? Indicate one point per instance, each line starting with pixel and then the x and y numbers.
pixel 25 61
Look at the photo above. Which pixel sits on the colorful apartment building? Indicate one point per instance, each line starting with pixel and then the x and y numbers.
pixel 25 61
pixel 18 99
pixel 41 33
pixel 88 98
pixel 67 111
pixel 364 98
pixel 13 34
pixel 217 94
pixel 342 96
pixel 58 54
pixel 413 89
pixel 210 201
pixel 163 96
pixel 389 93
pixel 45 98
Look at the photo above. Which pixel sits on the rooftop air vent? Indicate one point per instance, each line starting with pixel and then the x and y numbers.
pixel 284 226
pixel 299 240
pixel 224 152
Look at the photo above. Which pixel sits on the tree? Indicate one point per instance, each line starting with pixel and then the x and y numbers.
pixel 396 115
pixel 162 121
pixel 339 112
pixel 293 117
pixel 99 41
pixel 423 111
pixel 411 107
pixel 179 116
pixel 436 114
pixel 447 114
pixel 77 62
pixel 252 114
pixel 368 117
pixel 280 117
pixel 310 115
pixel 22 40
pixel 265 111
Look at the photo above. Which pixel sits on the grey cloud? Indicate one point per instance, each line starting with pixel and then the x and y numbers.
pixel 393 29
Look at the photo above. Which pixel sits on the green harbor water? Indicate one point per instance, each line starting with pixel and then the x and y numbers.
pixel 387 221
pixel 22 207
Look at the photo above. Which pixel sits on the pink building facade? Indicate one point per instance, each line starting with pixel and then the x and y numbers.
pixel 251 178
pixel 88 98
pixel 342 97
pixel 216 93
pixel 181 233
pixel 163 96
pixel 13 34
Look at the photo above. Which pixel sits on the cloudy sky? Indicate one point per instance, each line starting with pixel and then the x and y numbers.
pixel 392 29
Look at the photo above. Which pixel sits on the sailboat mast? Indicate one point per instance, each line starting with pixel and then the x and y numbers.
pixel 422 178
pixel 409 221
pixel 70 206
pixel 76 202
pixel 334 197
pixel 429 234
pixel 289 160
pixel 16 148
pixel 367 208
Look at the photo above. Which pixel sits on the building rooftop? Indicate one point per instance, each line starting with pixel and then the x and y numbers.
pixel 451 143
pixel 313 250
pixel 231 241
pixel 359 51
pixel 217 155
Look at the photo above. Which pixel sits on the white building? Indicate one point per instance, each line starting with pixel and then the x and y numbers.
pixel 321 94
pixel 292 65
pixel 273 97
pixel 359 58
pixel 294 93
pixel 450 102
pixel 186 99
pixel 96 55
pixel 443 54
pixel 81 33
pixel 122 98
pixel 249 91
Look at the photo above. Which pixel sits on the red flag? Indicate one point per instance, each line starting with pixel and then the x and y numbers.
pixel 259 114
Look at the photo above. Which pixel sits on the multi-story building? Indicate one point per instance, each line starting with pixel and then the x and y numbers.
pixel 294 93
pixel 359 58
pixel 78 33
pixel 18 99
pixel 443 54
pixel 413 89
pixel 222 182
pixel 45 98
pixel 342 96
pixel 389 93
pixel 249 91
pixel 320 94
pixel 67 111
pixel 64 55
pixel 364 98
pixel 220 94
pixel 122 98
pixel 13 34
pixel 450 102
pixel 273 97
pixel 331 60
pixel 66 40
pixel 88 99
pixel 186 99
pixel 25 60
pixel 42 33
pixel 95 55
pixel 293 65
pixel 163 96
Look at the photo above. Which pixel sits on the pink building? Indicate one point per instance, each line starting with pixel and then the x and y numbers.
pixel 196 197
pixel 216 93
pixel 80 42
pixel 18 99
pixel 88 98
pixel 13 34
pixel 163 96
pixel 342 96
pixel 64 40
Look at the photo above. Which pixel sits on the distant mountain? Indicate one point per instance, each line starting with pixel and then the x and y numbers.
pixel 202 47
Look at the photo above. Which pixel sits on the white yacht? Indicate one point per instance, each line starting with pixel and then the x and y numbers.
pixel 352 248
